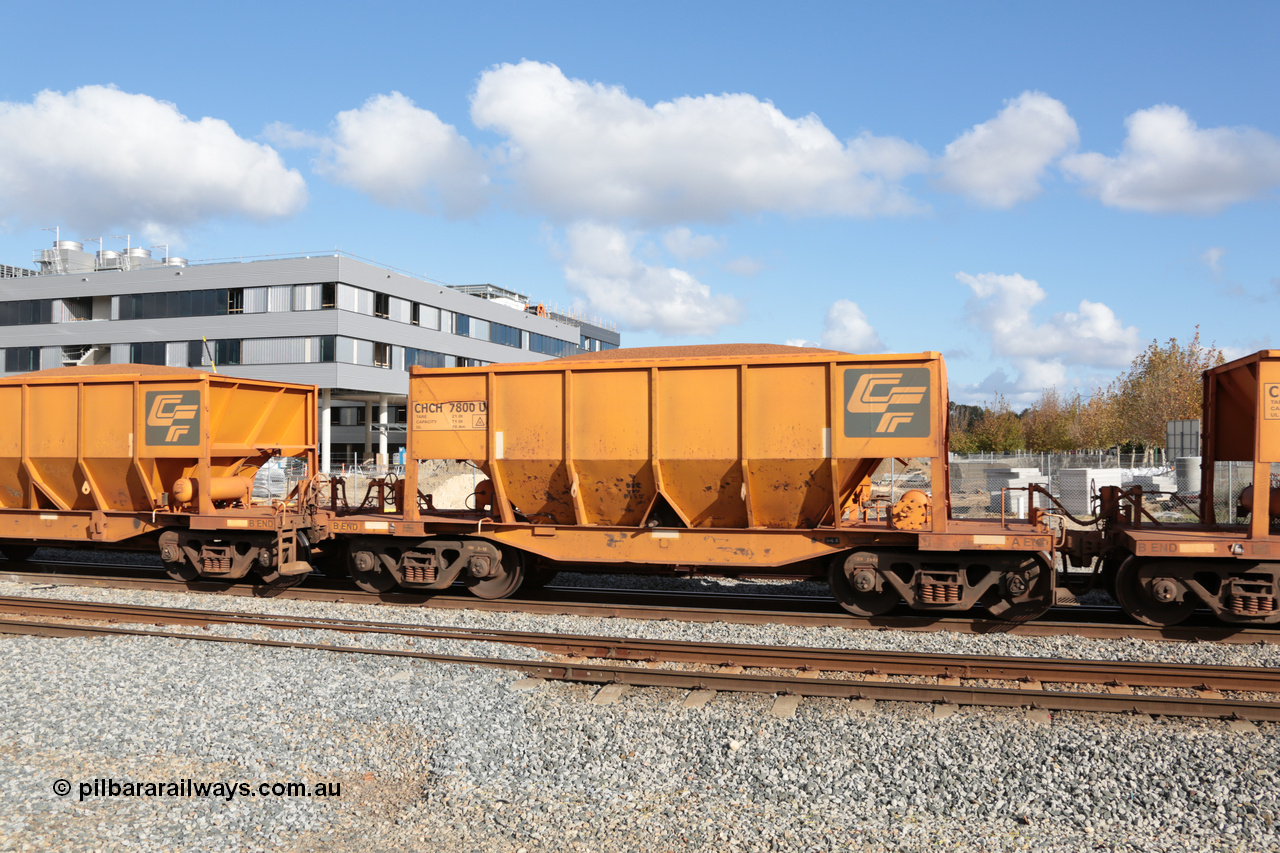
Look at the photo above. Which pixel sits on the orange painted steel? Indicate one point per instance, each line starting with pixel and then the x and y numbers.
pixel 81 447
pixel 1241 423
pixel 713 456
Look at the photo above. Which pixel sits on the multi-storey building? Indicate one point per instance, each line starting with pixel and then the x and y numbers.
pixel 347 325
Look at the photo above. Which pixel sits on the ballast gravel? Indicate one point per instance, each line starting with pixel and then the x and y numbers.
pixel 459 758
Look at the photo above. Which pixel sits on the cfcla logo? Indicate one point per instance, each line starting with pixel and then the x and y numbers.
pixel 173 417
pixel 876 392
pixel 879 402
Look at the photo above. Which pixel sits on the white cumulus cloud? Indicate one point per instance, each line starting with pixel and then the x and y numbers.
pixel 575 149
pixel 848 329
pixel 1001 162
pixel 1168 164
pixel 602 267
pixel 400 155
pixel 684 244
pixel 1092 336
pixel 97 158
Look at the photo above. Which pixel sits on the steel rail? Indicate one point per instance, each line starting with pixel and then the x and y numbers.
pixel 973 667
pixel 1229 634
pixel 741 683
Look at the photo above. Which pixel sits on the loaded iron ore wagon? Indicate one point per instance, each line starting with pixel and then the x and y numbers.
pixel 723 459
pixel 142 456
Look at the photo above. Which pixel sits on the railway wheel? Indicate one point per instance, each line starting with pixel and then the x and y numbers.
pixel 1024 594
pixel 18 553
pixel 1149 598
pixel 487 578
pixel 369 573
pixel 174 558
pixel 853 584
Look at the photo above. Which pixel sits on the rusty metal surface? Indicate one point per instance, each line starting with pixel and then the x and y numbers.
pixel 714 439
pixel 741 682
pixel 95 453
pixel 984 667
pixel 685 612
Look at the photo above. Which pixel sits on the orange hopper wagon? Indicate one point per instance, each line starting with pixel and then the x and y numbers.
pixel 723 459
pixel 143 456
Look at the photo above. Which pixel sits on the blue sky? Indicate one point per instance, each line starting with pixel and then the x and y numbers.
pixel 1035 191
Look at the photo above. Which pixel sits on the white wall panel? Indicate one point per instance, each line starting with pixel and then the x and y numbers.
pixel 280 298
pixel 306 297
pixel 349 298
pixel 273 351
pixel 255 300
pixel 398 310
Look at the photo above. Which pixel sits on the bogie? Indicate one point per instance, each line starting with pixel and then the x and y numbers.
pixel 1013 587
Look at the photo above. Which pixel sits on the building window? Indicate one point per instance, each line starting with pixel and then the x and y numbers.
pixel 329 294
pixel 508 336
pixel 548 345
pixel 148 352
pixel 27 312
pixel 381 355
pixel 235 300
pixel 21 359
pixel 422 358
pixel 471 327
pixel 381 305
pixel 227 352
pixel 179 303
pixel 328 348
pixel 222 352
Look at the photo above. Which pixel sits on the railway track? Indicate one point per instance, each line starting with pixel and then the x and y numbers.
pixel 804 611
pixel 817 672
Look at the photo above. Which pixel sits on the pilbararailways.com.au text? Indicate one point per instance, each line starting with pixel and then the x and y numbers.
pixel 227 790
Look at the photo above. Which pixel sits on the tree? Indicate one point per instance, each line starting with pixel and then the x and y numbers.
pixel 963 420
pixel 1163 384
pixel 999 431
pixel 1097 421
pixel 1049 425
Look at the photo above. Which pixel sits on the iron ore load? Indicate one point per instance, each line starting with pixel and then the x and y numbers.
pixel 732 460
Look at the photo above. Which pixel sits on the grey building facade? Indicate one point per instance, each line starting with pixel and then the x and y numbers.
pixel 347 325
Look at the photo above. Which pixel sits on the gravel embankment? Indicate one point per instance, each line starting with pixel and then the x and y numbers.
pixel 452 758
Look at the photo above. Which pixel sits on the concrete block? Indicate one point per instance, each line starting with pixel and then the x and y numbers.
pixel 698 698
pixel 785 707
pixel 609 694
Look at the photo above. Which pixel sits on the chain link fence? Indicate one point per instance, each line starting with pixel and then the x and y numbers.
pixel 1076 478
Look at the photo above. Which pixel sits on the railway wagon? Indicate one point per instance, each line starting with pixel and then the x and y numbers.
pixel 144 456
pixel 723 459
pixel 1229 562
